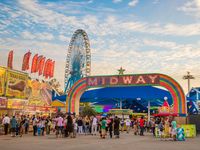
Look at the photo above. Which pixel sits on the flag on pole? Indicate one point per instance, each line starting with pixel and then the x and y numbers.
pixel 38 63
pixel 52 69
pixel 34 63
pixel 46 68
pixel 10 60
pixel 26 59
pixel 41 66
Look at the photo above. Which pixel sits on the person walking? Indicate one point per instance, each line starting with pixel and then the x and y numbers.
pixel 22 126
pixel 42 125
pixel 135 127
pixel 110 127
pixel 48 125
pixel 60 121
pixel 142 123
pixel 116 127
pixel 13 123
pixel 128 124
pixel 70 126
pixel 34 121
pixel 87 125
pixel 27 120
pixel 103 128
pixel 153 125
pixel 94 125
pixel 6 122
pixel 80 125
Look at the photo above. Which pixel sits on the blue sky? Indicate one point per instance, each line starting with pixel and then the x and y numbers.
pixel 142 36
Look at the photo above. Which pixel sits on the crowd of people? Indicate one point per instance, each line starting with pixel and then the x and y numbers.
pixel 64 125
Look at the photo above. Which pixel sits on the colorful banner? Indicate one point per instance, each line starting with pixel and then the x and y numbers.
pixel 52 69
pixel 16 104
pixel 39 62
pixel 16 84
pixel 3 102
pixel 41 66
pixel 47 68
pixel 10 60
pixel 34 63
pixel 2 80
pixel 26 59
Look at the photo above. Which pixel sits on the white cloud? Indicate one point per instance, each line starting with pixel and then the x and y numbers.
pixel 133 3
pixel 192 8
pixel 40 36
pixel 117 1
pixel 64 38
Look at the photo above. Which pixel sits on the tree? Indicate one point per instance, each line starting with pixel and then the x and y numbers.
pixel 88 111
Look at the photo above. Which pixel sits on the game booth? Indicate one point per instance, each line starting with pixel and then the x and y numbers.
pixel 165 112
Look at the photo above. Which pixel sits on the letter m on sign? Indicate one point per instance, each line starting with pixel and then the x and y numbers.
pixel 92 82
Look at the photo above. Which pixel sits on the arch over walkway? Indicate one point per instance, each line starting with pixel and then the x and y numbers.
pixel 179 100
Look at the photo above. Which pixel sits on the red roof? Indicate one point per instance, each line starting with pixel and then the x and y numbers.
pixel 165 104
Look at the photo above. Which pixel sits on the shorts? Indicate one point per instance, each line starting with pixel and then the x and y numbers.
pixel 103 131
pixel 59 130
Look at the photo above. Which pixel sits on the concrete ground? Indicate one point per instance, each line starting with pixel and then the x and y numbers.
pixel 126 142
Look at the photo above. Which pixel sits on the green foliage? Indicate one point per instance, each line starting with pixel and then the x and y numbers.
pixel 88 111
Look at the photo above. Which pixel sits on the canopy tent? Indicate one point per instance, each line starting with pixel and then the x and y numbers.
pixel 135 97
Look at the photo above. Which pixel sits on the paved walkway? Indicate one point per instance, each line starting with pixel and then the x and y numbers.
pixel 126 142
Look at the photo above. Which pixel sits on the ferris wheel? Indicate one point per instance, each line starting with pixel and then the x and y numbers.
pixel 78 61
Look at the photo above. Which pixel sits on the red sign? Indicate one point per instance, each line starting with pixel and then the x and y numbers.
pixel 145 79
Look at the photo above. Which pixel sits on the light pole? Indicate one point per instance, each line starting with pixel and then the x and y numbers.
pixel 188 77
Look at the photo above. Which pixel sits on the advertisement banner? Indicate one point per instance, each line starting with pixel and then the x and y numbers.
pixel 189 129
pixel 16 104
pixel 2 80
pixel 16 84
pixel 3 102
pixel 40 93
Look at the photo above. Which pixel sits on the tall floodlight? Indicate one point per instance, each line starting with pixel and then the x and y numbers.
pixel 188 77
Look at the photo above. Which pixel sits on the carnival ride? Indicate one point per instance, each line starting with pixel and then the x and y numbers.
pixel 78 60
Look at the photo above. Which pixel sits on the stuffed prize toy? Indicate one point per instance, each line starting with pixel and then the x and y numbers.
pixel 180 134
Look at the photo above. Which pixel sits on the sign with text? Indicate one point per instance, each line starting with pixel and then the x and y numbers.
pixel 144 79
pixel 2 80
pixel 16 84
pixel 16 104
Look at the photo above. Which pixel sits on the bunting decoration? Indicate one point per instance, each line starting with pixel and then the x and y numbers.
pixel 26 59
pixel 34 63
pixel 10 60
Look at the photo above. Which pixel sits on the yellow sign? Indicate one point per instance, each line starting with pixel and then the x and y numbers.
pixel 16 104
pixel 189 130
pixel 16 84
pixel 40 93
pixel 2 80
pixel 57 104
